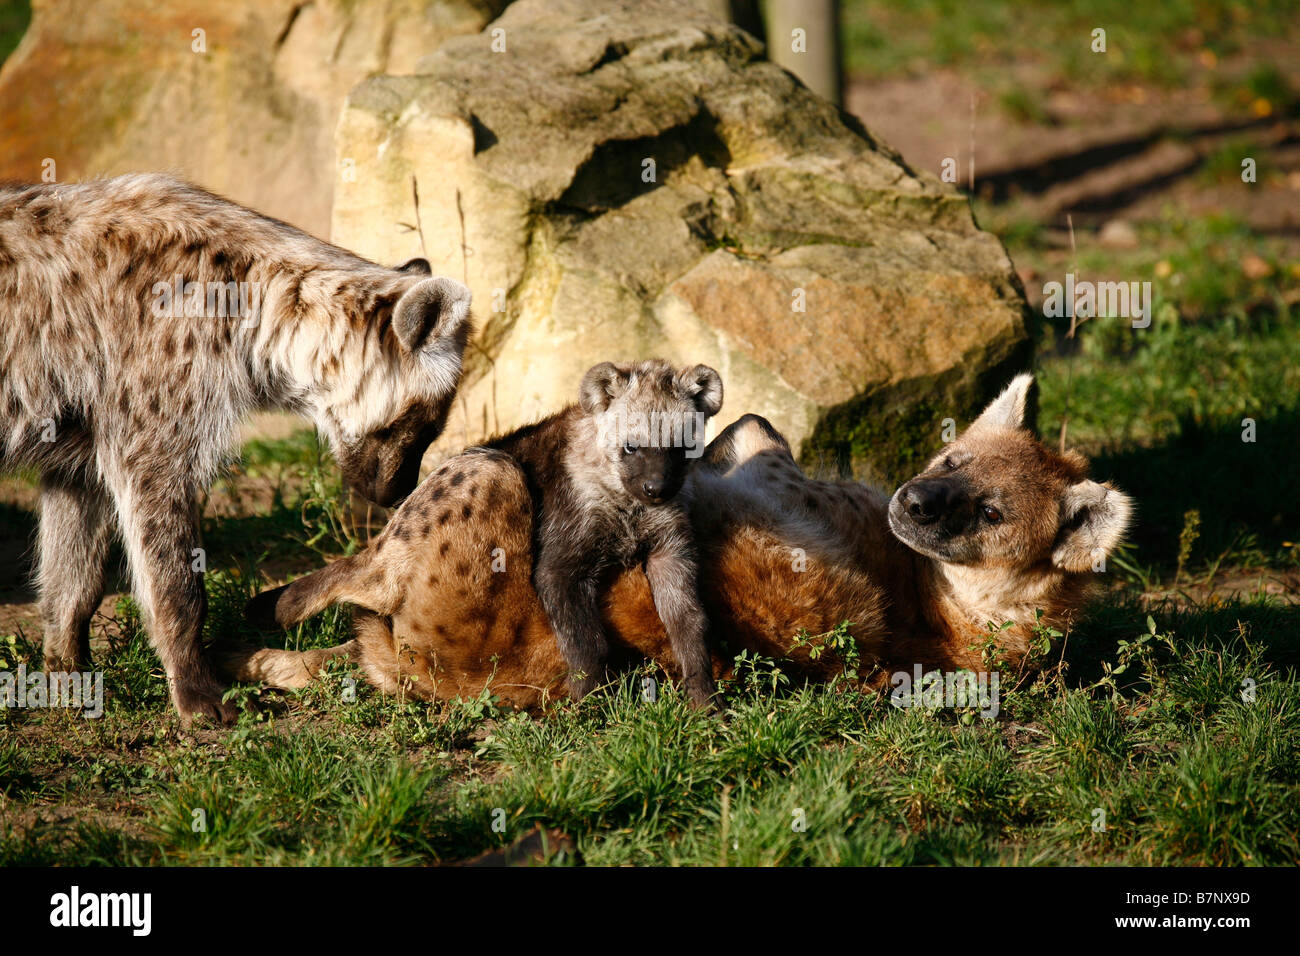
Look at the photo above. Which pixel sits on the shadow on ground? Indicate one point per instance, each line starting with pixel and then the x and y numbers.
pixel 1268 625
pixel 17 534
pixel 1245 491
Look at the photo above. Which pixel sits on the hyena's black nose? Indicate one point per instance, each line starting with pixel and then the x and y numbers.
pixel 654 490
pixel 925 501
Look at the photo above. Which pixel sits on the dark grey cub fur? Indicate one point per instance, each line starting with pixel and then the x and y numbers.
pixel 604 476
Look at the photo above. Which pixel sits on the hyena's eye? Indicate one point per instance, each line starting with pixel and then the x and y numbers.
pixel 629 447
pixel 992 515
pixel 949 464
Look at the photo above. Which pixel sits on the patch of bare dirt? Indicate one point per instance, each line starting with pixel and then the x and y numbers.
pixel 1126 151
pixel 1232 584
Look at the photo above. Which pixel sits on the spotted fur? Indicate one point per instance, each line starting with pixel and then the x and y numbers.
pixel 541 521
pixel 779 554
pixel 128 405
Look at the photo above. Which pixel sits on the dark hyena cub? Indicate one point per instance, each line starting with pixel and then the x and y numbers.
pixel 603 476
pixel 141 320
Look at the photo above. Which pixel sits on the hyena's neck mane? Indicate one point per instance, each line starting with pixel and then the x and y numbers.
pixel 319 325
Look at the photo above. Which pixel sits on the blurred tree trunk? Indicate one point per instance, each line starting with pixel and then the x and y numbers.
pixel 803 36
pixel 746 15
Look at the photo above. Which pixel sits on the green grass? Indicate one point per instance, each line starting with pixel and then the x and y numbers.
pixel 14 17
pixel 1185 769
pixel 1143 41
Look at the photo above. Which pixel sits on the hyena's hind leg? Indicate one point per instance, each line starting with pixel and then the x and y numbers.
pixel 76 528
pixel 750 463
pixel 279 667
pixel 158 515
pixel 747 437
pixel 359 580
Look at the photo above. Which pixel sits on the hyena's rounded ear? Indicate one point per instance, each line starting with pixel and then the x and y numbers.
pixel 1014 408
pixel 601 385
pixel 1094 518
pixel 430 312
pixel 703 386
pixel 417 266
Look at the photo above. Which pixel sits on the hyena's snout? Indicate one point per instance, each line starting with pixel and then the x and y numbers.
pixel 653 489
pixel 381 474
pixel 936 516
pixel 925 501
pixel 658 484
pixel 395 480
pixel 384 467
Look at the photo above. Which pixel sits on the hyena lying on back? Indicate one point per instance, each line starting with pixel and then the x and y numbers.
pixel 997 528
pixel 599 489
pixel 127 401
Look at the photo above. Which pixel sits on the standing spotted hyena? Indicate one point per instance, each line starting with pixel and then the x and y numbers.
pixel 141 319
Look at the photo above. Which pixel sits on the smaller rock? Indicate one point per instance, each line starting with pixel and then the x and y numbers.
pixel 1118 234
pixel 1253 267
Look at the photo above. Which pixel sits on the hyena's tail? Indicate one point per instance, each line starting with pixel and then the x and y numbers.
pixel 357 580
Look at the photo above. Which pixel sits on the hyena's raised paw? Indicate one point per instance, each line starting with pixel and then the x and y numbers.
pixel 199 699
pixel 261 611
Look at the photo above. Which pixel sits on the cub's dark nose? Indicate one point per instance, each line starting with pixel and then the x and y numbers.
pixel 654 490
pixel 926 501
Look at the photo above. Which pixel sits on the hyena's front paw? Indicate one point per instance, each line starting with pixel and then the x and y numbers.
pixel 200 698
pixel 581 684
pixel 702 692
pixel 63 663
pixel 261 610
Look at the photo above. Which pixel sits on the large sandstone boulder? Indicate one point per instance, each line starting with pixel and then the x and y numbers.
pixel 631 178
pixel 246 108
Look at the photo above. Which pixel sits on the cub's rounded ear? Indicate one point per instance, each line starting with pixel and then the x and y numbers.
pixel 417 266
pixel 1013 408
pixel 430 312
pixel 703 386
pixel 1094 518
pixel 601 385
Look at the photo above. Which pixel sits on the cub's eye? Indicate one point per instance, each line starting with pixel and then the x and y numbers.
pixel 949 463
pixel 629 448
pixel 992 514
